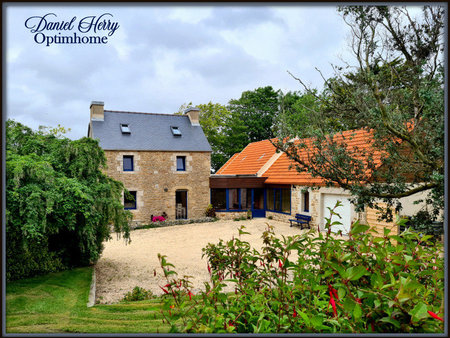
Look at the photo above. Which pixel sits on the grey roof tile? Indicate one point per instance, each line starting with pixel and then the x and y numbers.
pixel 150 132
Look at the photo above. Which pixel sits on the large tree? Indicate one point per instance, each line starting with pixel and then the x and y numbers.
pixel 60 205
pixel 296 116
pixel 395 91
pixel 230 128
pixel 253 116
pixel 213 119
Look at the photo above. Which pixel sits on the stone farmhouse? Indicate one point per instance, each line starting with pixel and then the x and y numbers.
pixel 163 160
pixel 258 179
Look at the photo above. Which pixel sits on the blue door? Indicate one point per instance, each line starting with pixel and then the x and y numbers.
pixel 258 203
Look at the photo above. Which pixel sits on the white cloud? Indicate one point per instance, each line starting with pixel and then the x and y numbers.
pixel 162 57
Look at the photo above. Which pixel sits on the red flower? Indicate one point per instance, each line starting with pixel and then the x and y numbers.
pixel 190 295
pixel 209 269
pixel 280 264
pixel 295 313
pixel 335 293
pixel 167 285
pixel 435 316
pixel 165 291
pixel 358 300
pixel 372 326
pixel 333 304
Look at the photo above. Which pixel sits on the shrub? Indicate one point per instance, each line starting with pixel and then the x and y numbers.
pixel 137 294
pixel 362 284
pixel 210 211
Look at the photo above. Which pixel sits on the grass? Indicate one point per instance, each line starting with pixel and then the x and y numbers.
pixel 57 303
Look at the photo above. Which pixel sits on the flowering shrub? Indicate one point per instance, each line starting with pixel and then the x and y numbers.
pixel 158 219
pixel 314 282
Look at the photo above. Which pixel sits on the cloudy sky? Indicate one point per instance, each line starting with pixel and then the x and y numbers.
pixel 161 57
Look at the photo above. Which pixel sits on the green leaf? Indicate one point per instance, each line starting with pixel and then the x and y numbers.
pixel 349 304
pixel 341 293
pixel 356 272
pixel 357 311
pixel 304 317
pixel 358 228
pixel 391 321
pixel 419 311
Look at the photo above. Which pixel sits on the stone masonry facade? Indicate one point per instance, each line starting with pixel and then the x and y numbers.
pixel 155 179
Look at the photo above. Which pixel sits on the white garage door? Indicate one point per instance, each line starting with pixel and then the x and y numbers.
pixel 329 201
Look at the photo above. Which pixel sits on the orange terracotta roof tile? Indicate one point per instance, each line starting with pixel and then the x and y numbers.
pixel 250 160
pixel 222 168
pixel 253 157
pixel 358 142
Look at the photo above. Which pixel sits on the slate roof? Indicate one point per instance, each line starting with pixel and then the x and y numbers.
pixel 149 132
pixel 358 141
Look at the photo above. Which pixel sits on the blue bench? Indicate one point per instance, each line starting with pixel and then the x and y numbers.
pixel 301 220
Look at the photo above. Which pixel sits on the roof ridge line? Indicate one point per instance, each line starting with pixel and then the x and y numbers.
pixel 132 112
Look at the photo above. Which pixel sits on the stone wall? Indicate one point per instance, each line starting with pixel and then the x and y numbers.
pixel 279 217
pixel 155 180
pixel 314 204
pixel 231 214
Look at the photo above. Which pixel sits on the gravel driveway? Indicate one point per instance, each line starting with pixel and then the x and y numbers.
pixel 122 267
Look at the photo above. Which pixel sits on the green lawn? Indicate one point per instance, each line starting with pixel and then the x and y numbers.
pixel 57 303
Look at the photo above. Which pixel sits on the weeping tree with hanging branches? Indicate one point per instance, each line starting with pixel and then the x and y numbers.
pixel 60 205
pixel 394 92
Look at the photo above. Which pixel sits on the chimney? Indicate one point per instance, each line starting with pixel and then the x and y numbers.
pixel 97 112
pixel 193 114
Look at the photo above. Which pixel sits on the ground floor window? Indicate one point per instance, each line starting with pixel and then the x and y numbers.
pixel 129 200
pixel 305 197
pixel 232 199
pixel 279 199
pixel 246 198
pixel 219 198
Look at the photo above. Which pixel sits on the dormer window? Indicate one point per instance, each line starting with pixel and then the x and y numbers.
pixel 125 128
pixel 175 131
